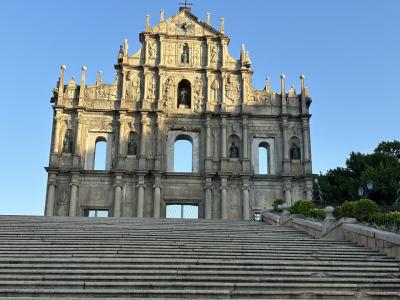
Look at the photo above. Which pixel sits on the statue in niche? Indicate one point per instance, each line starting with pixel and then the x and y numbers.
pixel 152 50
pixel 215 90
pixel 233 151
pixel 295 152
pixel 68 141
pixel 214 54
pixel 185 54
pixel 151 88
pixel 132 147
pixel 184 96
pixel 132 86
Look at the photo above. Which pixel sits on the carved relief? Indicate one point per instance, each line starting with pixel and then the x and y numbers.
pixel 232 90
pixel 214 53
pixel 152 50
pixel 168 94
pixel 198 93
pixel 196 56
pixel 132 87
pixel 151 88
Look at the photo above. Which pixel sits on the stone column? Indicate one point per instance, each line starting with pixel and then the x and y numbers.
pixel 306 146
pixel 223 136
pixel 123 84
pixel 51 192
pixel 160 126
pixel 56 132
pixel 140 200
pixel 83 85
pixel 117 200
pixel 224 198
pixel 288 192
pixel 208 95
pixel 285 147
pixel 161 51
pixel 121 133
pixel 145 83
pixel 245 138
pixel 244 87
pixel 246 203
pixel 145 123
pixel 283 95
pixel 208 52
pixel 208 202
pixel 157 197
pixel 208 137
pixel 78 133
pixel 223 53
pixel 223 79
pixel 74 196
pixel 61 85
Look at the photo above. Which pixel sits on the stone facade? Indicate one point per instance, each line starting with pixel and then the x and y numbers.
pixel 181 84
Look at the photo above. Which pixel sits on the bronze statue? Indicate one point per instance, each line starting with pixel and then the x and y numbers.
pixel 233 151
pixel 68 142
pixel 295 152
pixel 132 147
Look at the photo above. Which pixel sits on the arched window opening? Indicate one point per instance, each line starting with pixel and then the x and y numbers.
pixel 263 159
pixel 295 151
pixel 132 144
pixel 184 94
pixel 100 155
pixel 185 54
pixel 183 154
pixel 234 146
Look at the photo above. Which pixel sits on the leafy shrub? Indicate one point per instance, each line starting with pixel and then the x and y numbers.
pixel 275 204
pixel 347 209
pixel 301 207
pixel 316 213
pixel 390 221
pixel 365 208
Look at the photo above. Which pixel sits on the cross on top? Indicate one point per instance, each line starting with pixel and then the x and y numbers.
pixel 186 4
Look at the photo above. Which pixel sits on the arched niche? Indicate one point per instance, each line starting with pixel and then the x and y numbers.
pixel 184 94
pixel 132 144
pixel 234 149
pixel 294 148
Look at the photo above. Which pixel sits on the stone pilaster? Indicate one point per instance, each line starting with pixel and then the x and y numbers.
pixel 74 195
pixel 224 197
pixel 161 52
pixel 118 186
pixel 306 145
pixel 246 199
pixel 285 146
pixel 78 138
pixel 223 137
pixel 56 131
pixel 283 95
pixel 140 201
pixel 145 123
pixel 51 192
pixel 157 196
pixel 83 85
pixel 208 196
pixel 61 86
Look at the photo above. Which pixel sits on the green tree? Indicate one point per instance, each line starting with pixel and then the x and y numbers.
pixel 382 167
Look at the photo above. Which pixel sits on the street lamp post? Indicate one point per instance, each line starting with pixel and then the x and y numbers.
pixel 363 191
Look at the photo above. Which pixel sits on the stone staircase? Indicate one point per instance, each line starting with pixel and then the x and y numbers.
pixel 127 258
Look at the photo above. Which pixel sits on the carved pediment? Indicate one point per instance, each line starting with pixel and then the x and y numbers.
pixel 186 24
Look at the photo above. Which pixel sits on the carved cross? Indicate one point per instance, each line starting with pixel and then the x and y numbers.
pixel 186 4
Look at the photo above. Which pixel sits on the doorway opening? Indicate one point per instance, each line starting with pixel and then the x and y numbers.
pixel 182 211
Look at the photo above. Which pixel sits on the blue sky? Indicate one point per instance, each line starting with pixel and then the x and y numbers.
pixel 347 49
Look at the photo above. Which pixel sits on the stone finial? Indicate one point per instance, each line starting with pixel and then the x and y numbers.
pixel 267 85
pixel 209 18
pixel 147 22
pixel 283 92
pixel 329 214
pixel 222 30
pixel 161 15
pixel 302 83
pixel 126 47
pixel 83 79
pixel 99 79
pixel 243 54
pixel 248 60
pixel 63 67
